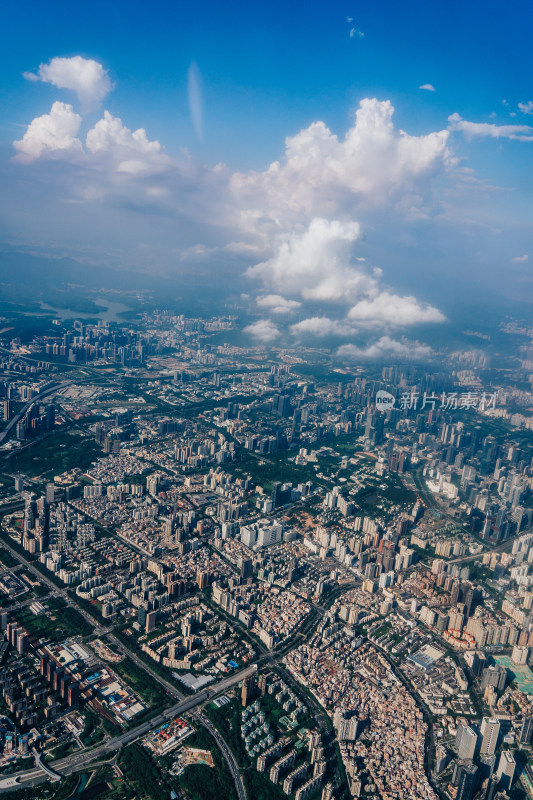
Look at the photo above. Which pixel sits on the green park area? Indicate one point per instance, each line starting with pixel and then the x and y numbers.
pixel 273 467
pixel 202 782
pixel 149 777
pixel 142 683
pixel 143 774
pixel 59 622
pixel 54 455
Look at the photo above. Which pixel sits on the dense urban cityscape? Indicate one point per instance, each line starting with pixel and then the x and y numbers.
pixel 305 579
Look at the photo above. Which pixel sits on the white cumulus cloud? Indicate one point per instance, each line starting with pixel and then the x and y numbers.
pixel 131 151
pixel 392 309
pixel 521 259
pixel 321 326
pixel 428 87
pixel 51 135
pixel 317 264
pixel 313 263
pixel 277 304
pixel 84 76
pixel 264 330
pixel 384 348
pixel 375 164
pixel 302 211
pixel 526 108
pixel 109 145
pixel 295 223
pixel 472 130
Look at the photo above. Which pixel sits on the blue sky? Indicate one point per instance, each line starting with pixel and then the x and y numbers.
pixel 264 72
pixel 270 69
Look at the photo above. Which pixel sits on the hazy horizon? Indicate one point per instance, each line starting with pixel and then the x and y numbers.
pixel 345 173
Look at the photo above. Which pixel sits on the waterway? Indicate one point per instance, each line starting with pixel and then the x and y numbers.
pixel 110 312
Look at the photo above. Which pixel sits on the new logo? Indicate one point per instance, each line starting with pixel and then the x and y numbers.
pixel 384 400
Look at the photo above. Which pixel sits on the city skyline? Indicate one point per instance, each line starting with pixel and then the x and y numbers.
pixel 243 566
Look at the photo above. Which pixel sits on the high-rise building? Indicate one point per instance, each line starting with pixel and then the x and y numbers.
pixel 248 689
pixel 202 579
pixel 153 484
pixel 494 676
pixel 506 770
pixel 490 731
pixel 465 778
pixel 347 730
pixel 466 742
pixel 472 599
pixel 151 620
pixel 526 731
pixel 374 428
pixel 296 424
pixel 23 643
pixel 64 684
pixel 284 406
pixel 73 693
pixel 246 568
pixel 404 525
pixel 442 757
pixel 11 632
pixel 492 788
pixel 56 682
pixel 276 494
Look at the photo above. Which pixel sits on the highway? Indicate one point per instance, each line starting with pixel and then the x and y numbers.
pixel 143 665
pixel 228 755
pixel 56 590
pixel 28 405
pixel 499 548
pixel 39 763
pixel 79 760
